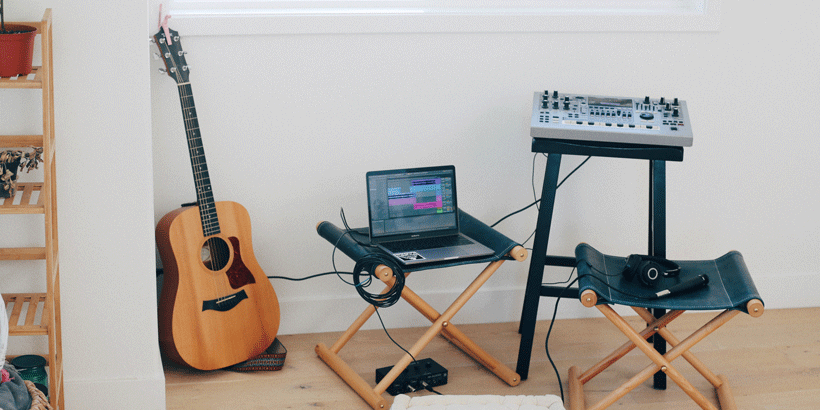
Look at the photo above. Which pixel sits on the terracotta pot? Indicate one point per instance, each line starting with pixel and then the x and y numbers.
pixel 16 50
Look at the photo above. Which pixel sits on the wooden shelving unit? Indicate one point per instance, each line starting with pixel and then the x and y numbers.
pixel 38 313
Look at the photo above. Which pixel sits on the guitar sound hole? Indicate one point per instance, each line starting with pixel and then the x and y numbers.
pixel 215 253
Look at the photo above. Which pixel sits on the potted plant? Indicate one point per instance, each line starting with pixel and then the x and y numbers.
pixel 10 162
pixel 16 46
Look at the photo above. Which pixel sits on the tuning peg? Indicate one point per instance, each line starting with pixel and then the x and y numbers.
pixel 167 55
pixel 162 70
pixel 181 53
pixel 151 39
pixel 156 56
pixel 185 68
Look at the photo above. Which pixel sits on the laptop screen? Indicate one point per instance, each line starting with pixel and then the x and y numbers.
pixel 410 203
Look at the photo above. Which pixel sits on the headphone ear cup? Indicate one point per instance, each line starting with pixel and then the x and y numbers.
pixel 649 273
pixel 631 267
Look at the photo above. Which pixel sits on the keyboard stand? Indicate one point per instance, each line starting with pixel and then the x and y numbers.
pixel 657 156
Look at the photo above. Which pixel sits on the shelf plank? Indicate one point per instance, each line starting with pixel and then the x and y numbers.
pixel 33 80
pixel 19 141
pixel 22 254
pixel 22 203
pixel 38 312
pixel 15 302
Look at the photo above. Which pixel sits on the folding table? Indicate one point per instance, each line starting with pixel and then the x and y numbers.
pixel 556 148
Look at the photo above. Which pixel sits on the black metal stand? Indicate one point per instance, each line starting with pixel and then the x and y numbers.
pixel 657 155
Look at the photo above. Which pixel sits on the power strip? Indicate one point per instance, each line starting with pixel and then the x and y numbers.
pixel 422 374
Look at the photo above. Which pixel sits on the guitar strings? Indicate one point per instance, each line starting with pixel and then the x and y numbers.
pixel 200 171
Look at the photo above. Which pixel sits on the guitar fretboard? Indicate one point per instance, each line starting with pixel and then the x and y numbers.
pixel 204 195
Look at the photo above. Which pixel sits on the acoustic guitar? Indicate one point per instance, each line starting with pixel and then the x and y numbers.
pixel 217 307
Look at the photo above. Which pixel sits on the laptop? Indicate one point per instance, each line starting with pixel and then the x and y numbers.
pixel 414 215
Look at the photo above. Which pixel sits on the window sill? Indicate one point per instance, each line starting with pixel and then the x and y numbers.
pixel 266 22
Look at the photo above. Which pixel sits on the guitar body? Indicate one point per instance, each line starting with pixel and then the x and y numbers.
pixel 217 307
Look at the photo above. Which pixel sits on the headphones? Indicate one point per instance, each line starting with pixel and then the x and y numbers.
pixel 649 269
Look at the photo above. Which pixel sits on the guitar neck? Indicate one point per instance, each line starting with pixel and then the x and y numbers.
pixel 204 194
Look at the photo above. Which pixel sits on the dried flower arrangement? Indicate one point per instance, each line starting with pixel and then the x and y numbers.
pixel 9 161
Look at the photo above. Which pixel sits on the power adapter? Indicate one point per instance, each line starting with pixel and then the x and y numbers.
pixel 421 374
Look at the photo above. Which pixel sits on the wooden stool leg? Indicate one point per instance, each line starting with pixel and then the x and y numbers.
pixel 576 390
pixel 435 329
pixel 725 396
pixel 662 363
pixel 673 341
pixel 356 382
pixel 331 358
pixel 656 357
pixel 628 346
pixel 441 325
pixel 460 340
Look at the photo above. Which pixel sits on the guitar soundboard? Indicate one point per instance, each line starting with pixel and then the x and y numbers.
pixel 646 121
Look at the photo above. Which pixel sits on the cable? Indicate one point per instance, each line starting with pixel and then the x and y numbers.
pixel 539 199
pixel 368 264
pixel 572 172
pixel 391 337
pixel 549 331
pixel 348 230
pixel 309 277
pixel 429 388
pixel 555 311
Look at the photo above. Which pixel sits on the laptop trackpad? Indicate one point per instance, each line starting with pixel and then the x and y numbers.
pixel 443 253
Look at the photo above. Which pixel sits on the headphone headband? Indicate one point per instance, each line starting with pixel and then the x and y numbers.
pixel 672 268
pixel 648 269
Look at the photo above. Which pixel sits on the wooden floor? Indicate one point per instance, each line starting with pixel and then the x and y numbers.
pixel 772 362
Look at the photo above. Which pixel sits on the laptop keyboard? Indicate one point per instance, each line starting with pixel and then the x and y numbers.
pixel 426 243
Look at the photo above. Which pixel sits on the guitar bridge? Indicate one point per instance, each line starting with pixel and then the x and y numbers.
pixel 226 303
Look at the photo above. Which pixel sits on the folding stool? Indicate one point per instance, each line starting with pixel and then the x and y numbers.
pixel 350 243
pixel 730 289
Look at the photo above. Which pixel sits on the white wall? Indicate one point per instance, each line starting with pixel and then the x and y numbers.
pixel 103 131
pixel 291 123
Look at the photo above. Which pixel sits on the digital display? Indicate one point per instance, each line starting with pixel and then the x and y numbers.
pixel 611 102
pixel 410 202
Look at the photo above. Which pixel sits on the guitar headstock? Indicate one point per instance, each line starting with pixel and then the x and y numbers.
pixel 172 55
